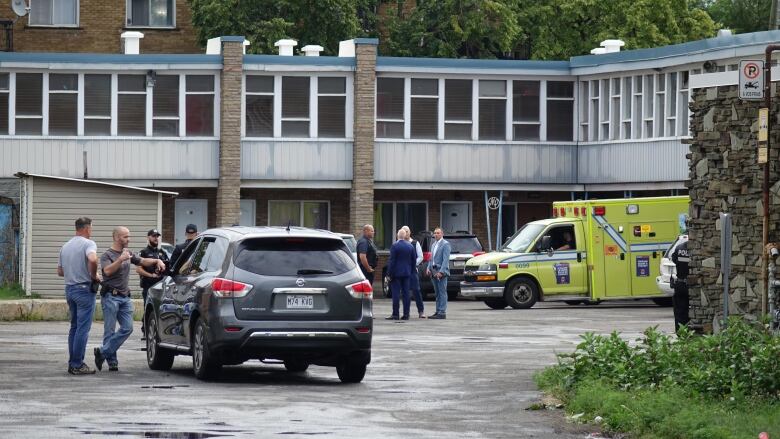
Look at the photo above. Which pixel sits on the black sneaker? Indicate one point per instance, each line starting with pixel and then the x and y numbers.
pixel 113 367
pixel 99 359
pixel 81 370
pixel 438 316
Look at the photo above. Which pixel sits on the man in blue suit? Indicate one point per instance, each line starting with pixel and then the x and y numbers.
pixel 439 271
pixel 399 269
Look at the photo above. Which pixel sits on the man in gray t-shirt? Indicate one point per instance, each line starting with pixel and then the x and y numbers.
pixel 115 296
pixel 78 265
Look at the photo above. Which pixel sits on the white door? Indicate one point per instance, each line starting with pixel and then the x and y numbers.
pixel 456 217
pixel 190 211
pixel 247 213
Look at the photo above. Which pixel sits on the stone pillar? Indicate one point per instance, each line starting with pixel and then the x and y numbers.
pixel 361 195
pixel 229 189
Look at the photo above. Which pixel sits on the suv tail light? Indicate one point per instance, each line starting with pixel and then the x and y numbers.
pixel 361 290
pixel 426 256
pixel 224 288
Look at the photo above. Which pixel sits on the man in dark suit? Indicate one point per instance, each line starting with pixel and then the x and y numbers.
pixel 399 269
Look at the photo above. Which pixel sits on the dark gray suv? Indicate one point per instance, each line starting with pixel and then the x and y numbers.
pixel 268 293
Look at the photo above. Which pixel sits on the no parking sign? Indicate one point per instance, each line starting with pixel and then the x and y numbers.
pixel 751 79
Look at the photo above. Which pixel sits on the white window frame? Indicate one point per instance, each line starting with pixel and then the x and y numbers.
pixel 44 117
pixel 74 25
pixel 82 104
pixel 510 111
pixel 8 93
pixel 543 106
pixel 181 115
pixel 406 109
pixel 273 95
pixel 437 97
pixel 395 219
pixel 79 96
pixel 128 8
pixel 507 107
pixel 183 93
pixel 315 105
pixel 300 207
pixel 443 110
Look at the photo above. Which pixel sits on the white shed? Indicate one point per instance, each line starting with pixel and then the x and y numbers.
pixel 49 208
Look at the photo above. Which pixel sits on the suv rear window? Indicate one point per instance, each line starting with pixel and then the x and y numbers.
pixel 294 256
pixel 464 244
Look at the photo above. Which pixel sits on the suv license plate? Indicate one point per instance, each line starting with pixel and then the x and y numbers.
pixel 458 264
pixel 300 302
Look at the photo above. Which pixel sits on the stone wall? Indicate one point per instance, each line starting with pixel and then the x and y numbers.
pixel 725 177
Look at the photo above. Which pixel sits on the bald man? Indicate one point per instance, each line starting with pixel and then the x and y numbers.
pixel 115 296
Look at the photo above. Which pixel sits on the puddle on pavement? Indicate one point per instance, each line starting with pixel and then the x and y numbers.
pixel 164 386
pixel 306 433
pixel 159 434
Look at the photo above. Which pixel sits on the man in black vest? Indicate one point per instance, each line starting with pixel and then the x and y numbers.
pixel 681 258
pixel 190 233
pixel 150 277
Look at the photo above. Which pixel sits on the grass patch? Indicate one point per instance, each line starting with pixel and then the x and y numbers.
pixel 720 386
pixel 14 292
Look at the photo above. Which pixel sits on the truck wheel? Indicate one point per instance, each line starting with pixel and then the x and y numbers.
pixel 156 357
pixel 495 303
pixel 204 365
pixel 521 293
pixel 573 302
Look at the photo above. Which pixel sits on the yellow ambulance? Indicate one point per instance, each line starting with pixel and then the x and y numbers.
pixel 588 252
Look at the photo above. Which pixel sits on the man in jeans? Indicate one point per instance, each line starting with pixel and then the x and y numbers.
pixel 439 271
pixel 115 300
pixel 78 265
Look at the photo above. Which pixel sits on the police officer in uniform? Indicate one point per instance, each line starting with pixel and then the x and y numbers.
pixel 150 277
pixel 190 232
pixel 681 258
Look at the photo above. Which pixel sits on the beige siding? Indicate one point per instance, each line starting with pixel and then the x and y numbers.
pixel 55 206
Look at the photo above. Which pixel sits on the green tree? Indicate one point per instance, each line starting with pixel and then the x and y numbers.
pixel 740 15
pixel 558 29
pixel 263 22
pixel 455 29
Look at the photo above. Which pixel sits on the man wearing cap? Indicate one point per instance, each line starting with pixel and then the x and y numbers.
pixel 190 232
pixel 150 277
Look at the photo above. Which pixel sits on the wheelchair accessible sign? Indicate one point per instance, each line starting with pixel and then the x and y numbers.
pixel 751 79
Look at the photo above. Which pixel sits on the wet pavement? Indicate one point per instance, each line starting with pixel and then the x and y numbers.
pixel 469 376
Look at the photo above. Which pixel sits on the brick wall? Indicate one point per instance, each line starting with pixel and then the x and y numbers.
pixel 361 196
pixel 228 191
pixel 338 198
pixel 100 24
pixel 725 177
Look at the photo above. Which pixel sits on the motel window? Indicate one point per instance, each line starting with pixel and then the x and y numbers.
pixel 63 104
pixel 199 102
pixel 425 109
pixel 457 109
pixel 54 12
pixel 132 105
pixel 29 103
pixel 560 110
pixel 390 107
pixel 165 106
pixel 4 86
pixel 492 110
pixel 391 216
pixel 150 13
pixel 525 110
pixel 331 106
pixel 313 214
pixel 97 105
pixel 259 118
pixel 295 106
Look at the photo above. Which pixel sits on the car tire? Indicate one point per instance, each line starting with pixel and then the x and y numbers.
pixel 295 365
pixel 521 293
pixel 663 301
pixel 351 370
pixel 204 365
pixel 573 302
pixel 156 357
pixel 495 303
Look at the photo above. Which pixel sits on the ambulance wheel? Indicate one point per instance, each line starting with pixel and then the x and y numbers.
pixel 495 303
pixel 591 302
pixel 521 293
pixel 573 302
pixel 663 301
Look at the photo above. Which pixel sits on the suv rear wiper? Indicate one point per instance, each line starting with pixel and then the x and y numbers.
pixel 313 271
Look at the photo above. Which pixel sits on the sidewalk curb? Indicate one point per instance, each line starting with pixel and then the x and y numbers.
pixel 50 310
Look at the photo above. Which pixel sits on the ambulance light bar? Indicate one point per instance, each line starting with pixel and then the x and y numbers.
pixel 599 210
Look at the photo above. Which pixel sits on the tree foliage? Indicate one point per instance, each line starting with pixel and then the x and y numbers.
pixel 740 15
pixel 262 22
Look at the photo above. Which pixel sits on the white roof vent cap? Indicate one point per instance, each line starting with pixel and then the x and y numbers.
pixel 131 42
pixel 347 48
pixel 612 46
pixel 598 51
pixel 312 50
pixel 286 47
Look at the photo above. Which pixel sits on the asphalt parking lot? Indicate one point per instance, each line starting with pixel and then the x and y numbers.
pixel 469 376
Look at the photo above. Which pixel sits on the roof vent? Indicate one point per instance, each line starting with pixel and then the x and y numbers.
pixel 724 32
pixel 347 48
pixel 131 42
pixel 312 50
pixel 598 51
pixel 214 46
pixel 612 46
pixel 286 47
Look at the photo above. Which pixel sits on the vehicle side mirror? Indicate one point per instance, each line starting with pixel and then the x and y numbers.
pixel 545 244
